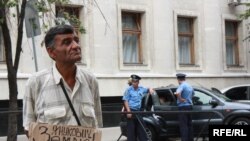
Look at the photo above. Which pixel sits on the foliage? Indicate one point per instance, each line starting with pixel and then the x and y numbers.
pixel 12 3
pixel 245 16
pixel 44 6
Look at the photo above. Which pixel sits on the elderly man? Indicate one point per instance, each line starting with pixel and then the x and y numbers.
pixel 45 101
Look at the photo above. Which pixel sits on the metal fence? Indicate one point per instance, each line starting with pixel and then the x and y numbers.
pixel 107 113
pixel 107 121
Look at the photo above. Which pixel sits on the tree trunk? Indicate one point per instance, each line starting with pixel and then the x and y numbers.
pixel 12 120
pixel 12 67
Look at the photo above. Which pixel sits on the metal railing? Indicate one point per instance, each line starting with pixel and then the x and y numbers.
pixel 144 113
pixel 11 112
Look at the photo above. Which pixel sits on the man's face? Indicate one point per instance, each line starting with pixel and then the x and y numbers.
pixel 135 83
pixel 66 49
pixel 178 81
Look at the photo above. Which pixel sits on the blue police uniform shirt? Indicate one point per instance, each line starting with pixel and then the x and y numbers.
pixel 134 97
pixel 186 92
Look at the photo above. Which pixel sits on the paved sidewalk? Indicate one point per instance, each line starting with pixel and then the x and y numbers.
pixel 108 134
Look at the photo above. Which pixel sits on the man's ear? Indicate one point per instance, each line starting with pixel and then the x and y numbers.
pixel 51 53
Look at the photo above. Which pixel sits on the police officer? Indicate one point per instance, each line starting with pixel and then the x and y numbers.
pixel 132 102
pixel 184 94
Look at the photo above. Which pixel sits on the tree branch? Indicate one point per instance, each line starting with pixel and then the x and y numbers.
pixel 6 38
pixel 20 34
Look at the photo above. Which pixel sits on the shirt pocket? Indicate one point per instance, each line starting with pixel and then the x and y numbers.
pixel 55 112
pixel 88 113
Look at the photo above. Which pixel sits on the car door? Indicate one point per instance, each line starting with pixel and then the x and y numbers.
pixel 169 106
pixel 169 117
pixel 202 116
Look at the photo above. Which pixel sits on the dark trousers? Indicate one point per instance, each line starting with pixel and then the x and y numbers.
pixel 135 129
pixel 185 124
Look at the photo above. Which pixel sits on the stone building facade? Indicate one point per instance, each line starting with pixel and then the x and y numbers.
pixel 152 38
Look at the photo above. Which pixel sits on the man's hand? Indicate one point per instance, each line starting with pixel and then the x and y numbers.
pixel 182 99
pixel 129 115
pixel 178 95
pixel 127 109
pixel 151 91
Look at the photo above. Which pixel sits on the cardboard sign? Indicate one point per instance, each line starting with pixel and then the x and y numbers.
pixel 47 132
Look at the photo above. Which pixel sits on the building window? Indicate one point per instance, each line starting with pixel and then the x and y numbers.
pixel 186 41
pixel 232 50
pixel 69 14
pixel 131 38
pixel 2 53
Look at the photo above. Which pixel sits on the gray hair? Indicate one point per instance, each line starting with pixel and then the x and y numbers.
pixel 56 30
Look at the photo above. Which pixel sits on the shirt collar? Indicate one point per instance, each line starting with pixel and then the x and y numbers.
pixel 57 76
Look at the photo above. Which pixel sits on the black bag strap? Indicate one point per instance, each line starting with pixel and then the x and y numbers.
pixel 70 104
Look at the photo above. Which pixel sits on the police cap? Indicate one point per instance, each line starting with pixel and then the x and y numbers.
pixel 135 77
pixel 180 75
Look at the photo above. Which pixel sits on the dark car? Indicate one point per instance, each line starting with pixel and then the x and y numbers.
pixel 209 108
pixel 237 92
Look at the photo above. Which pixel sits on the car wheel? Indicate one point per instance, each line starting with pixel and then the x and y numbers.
pixel 241 121
pixel 151 133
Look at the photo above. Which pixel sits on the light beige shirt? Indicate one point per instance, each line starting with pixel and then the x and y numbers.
pixel 45 102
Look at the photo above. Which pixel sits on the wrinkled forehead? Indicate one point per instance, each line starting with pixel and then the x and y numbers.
pixel 60 37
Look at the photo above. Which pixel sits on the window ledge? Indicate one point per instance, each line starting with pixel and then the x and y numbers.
pixel 134 64
pixel 189 65
pixel 235 66
pixel 135 67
